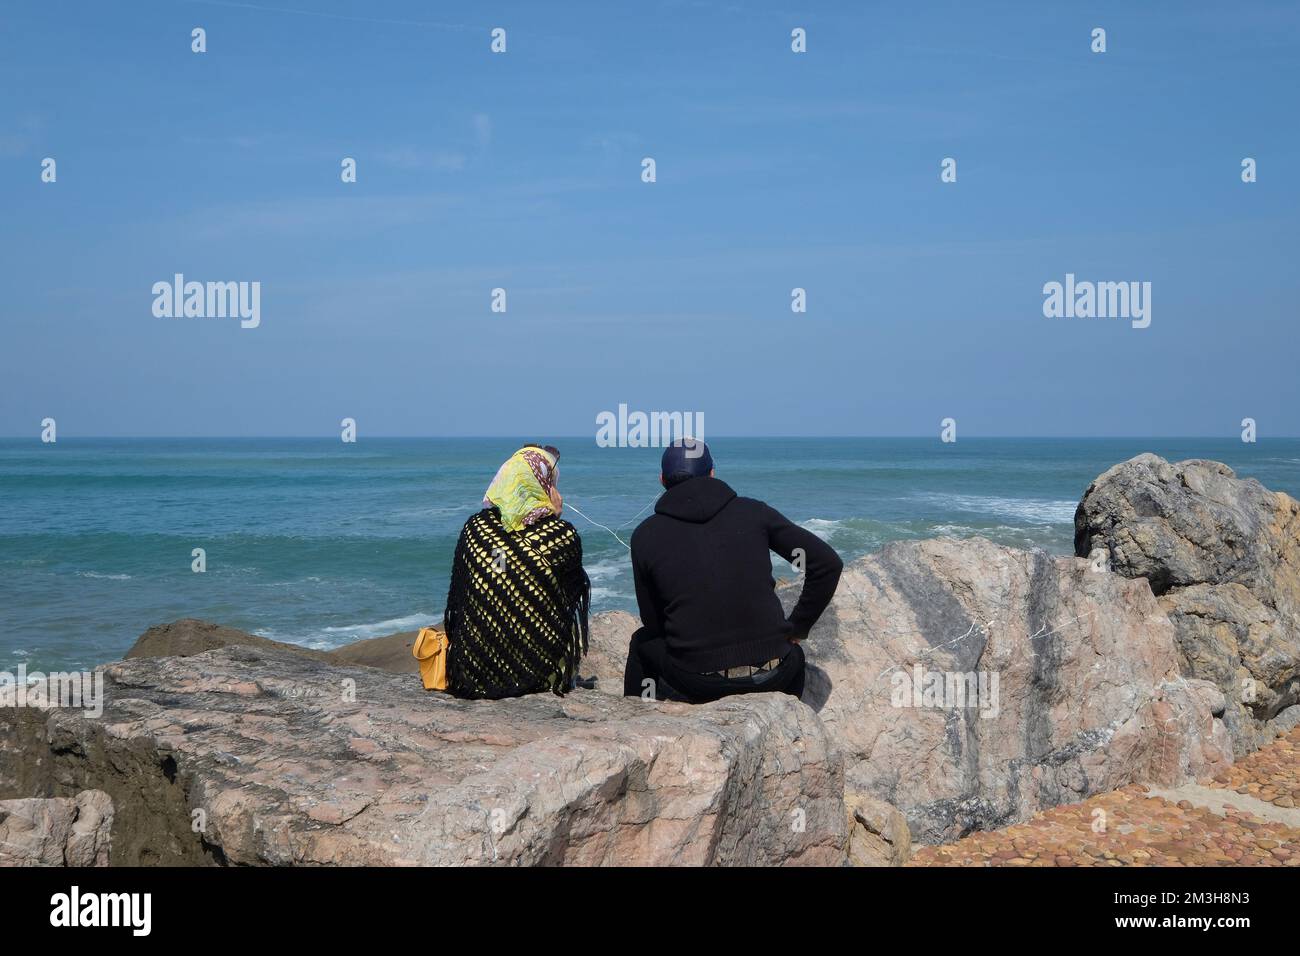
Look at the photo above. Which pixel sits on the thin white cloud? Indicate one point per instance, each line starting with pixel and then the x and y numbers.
pixel 407 157
pixel 314 217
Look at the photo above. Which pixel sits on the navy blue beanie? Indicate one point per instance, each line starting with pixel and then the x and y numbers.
pixel 683 459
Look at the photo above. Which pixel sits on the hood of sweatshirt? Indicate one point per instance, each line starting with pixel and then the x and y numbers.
pixel 695 499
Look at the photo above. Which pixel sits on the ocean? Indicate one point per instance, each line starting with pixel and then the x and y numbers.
pixel 321 543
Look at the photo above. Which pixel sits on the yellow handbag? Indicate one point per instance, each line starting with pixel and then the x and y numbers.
pixel 430 649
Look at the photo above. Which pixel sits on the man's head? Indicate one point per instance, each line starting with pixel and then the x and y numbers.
pixel 684 459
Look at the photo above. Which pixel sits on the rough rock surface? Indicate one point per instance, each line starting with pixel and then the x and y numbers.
pixel 1088 695
pixel 1286 721
pixel 610 635
pixel 255 754
pixel 63 831
pixel 878 832
pixel 190 636
pixel 390 653
pixel 1223 555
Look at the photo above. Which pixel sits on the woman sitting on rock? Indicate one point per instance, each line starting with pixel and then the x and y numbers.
pixel 517 608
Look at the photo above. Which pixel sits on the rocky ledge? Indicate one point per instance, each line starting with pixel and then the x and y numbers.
pixel 955 686
pixel 263 755
pixel 969 685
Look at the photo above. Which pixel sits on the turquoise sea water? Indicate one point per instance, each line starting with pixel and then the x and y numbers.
pixel 321 543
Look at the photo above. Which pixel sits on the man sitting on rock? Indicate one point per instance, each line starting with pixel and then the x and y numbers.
pixel 713 625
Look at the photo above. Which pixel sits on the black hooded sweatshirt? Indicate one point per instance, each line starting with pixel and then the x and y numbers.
pixel 703 576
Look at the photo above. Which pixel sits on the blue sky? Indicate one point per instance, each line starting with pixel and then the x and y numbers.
pixel 522 171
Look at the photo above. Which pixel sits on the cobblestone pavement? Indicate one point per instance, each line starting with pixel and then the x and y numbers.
pixel 1271 774
pixel 1246 816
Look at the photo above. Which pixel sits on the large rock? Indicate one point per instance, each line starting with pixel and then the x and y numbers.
pixel 1088 695
pixel 190 636
pixel 878 832
pixel 1223 555
pixel 63 831
pixel 390 653
pixel 261 755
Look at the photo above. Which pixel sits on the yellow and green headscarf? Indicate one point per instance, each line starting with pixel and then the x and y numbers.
pixel 524 488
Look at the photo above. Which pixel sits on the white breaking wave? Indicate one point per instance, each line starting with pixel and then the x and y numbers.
pixel 1027 509
pixel 965 529
pixel 824 528
pixel 955 529
pixel 330 637
pixel 602 570
pixel 103 577
pixel 362 631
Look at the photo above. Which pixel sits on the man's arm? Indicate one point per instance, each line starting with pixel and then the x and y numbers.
pixel 821 567
pixel 647 601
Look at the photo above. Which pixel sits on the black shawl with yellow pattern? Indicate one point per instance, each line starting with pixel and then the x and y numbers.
pixel 517 608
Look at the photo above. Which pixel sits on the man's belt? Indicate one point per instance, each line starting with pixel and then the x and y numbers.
pixel 747 670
